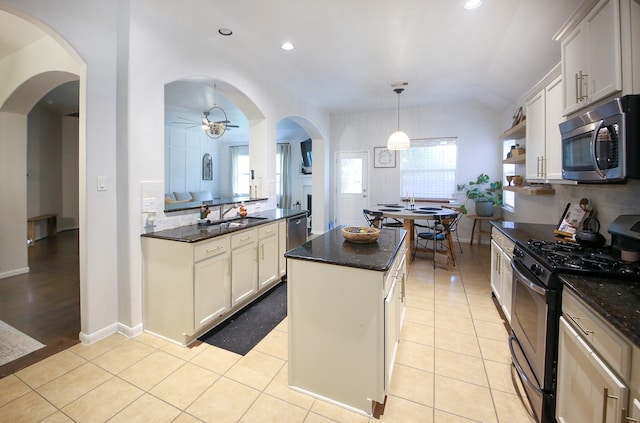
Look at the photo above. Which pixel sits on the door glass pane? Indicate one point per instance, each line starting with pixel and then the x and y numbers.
pixel 351 176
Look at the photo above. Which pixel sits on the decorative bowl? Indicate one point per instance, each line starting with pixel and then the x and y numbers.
pixel 360 234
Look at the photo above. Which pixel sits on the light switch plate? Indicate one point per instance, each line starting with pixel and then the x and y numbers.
pixel 102 183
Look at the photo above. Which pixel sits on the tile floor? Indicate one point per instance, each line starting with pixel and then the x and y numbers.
pixel 452 366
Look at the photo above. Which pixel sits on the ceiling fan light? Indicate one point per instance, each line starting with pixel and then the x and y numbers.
pixel 472 4
pixel 398 141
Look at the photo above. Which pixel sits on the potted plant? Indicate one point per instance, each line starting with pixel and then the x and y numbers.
pixel 485 193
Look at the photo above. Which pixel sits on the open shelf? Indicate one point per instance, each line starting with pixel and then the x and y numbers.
pixel 516 132
pixel 515 160
pixel 531 190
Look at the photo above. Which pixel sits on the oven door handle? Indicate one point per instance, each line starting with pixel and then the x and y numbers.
pixel 519 368
pixel 516 266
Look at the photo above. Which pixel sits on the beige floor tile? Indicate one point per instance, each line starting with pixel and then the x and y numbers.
pixel 122 356
pixel 184 385
pixel 216 359
pixel 455 323
pixel 267 409
pixel 317 418
pixel 459 309
pixel 418 333
pixel 336 413
pixel 418 315
pixel 495 350
pixel 487 314
pixel 500 377
pixel 151 369
pixel 491 330
pixel 461 367
pixel 276 343
pixel 185 353
pixel 444 417
pixel 151 340
pixel 225 401
pixel 480 300
pixel 464 399
pixel 147 409
pixel 30 407
pixel 255 369
pixel 477 289
pixel 11 388
pixel 420 289
pixel 92 351
pixel 417 301
pixel 50 368
pixel 283 325
pixel 415 355
pixel 412 384
pixel 279 388
pixel 72 385
pixel 457 342
pixel 103 402
pixel 186 418
pixel 57 417
pixel 510 408
pixel 399 410
pixel 450 296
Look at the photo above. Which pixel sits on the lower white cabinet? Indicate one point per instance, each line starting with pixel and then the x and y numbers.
pixel 244 266
pixel 268 259
pixel 212 287
pixel 282 247
pixel 501 273
pixel 587 390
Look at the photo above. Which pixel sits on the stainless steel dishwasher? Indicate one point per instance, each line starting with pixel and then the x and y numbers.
pixel 296 231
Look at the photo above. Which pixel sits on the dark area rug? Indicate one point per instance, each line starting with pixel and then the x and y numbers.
pixel 247 327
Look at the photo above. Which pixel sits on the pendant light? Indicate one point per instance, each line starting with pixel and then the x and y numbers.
pixel 398 140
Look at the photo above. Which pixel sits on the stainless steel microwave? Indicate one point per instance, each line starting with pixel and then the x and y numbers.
pixel 603 145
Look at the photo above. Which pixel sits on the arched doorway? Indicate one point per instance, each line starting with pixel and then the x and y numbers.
pixel 33 75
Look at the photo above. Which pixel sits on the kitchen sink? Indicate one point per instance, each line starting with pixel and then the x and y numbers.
pixel 236 222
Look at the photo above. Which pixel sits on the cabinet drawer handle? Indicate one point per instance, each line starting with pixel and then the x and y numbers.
pixel 211 250
pixel 245 239
pixel 605 397
pixel 575 320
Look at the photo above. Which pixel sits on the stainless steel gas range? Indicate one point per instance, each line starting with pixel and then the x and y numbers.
pixel 536 306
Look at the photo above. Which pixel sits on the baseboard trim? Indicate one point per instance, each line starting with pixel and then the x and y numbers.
pixel 129 332
pixel 14 272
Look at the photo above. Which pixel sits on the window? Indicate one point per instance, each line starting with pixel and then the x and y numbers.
pixel 240 173
pixel 428 168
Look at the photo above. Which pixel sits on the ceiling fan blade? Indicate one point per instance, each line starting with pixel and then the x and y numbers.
pixel 185 121
pixel 233 126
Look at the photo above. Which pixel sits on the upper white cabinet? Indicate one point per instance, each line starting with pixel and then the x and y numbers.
pixel 592 58
pixel 544 114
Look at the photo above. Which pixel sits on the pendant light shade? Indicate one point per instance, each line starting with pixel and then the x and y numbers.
pixel 398 140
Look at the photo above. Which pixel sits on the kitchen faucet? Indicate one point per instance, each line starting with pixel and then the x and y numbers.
pixel 233 207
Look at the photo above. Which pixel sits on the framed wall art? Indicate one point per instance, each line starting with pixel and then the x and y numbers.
pixel 382 157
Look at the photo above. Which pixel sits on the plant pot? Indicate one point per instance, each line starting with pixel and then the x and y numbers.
pixel 484 208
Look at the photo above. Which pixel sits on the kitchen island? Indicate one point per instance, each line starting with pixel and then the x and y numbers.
pixel 346 305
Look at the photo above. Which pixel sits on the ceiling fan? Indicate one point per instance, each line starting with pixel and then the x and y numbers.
pixel 213 128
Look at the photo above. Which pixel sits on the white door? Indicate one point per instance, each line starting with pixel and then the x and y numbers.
pixel 351 187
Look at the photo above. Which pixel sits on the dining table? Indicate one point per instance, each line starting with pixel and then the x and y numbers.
pixel 409 213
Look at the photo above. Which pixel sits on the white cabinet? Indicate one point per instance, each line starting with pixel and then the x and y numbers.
pixel 282 247
pixel 501 273
pixel 588 390
pixel 244 266
pixel 544 146
pixel 592 57
pixel 212 293
pixel 268 260
pixel 186 286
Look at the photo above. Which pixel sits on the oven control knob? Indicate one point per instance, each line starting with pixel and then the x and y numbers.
pixel 518 252
pixel 536 269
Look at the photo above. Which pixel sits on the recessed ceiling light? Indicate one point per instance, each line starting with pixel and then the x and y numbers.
pixel 287 46
pixel 472 4
pixel 225 31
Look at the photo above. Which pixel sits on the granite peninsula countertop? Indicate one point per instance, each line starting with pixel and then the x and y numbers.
pixel 197 233
pixel 617 301
pixel 332 248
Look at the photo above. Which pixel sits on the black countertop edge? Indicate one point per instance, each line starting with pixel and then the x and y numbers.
pixel 194 205
pixel 197 233
pixel 616 301
pixel 523 232
pixel 332 248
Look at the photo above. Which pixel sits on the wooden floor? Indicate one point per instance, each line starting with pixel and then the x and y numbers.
pixel 45 303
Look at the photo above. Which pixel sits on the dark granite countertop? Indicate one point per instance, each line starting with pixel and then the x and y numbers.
pixel 617 301
pixel 522 232
pixel 331 248
pixel 197 233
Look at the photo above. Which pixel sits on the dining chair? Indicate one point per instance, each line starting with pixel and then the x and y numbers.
pixel 438 234
pixel 376 219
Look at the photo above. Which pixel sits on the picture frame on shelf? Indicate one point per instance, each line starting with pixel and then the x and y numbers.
pixel 383 157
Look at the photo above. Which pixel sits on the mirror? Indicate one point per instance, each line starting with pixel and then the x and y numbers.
pixel 197 165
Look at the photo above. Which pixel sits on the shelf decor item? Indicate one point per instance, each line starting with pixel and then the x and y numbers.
pixel 485 193
pixel 384 157
pixel 361 234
